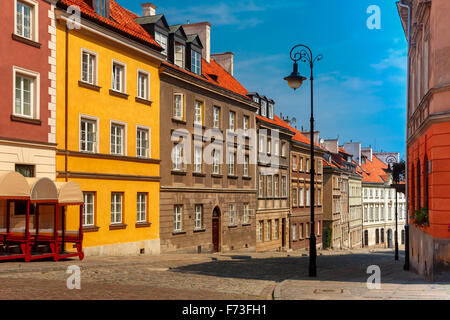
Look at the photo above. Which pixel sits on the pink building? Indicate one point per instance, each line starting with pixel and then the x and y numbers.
pixel 28 90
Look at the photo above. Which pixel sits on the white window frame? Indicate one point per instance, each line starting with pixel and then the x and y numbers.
pixel 308 196
pixel 232 214
pixel 139 203
pixel 245 122
pixel 232 121
pixel 183 57
pixel 96 142
pixel 123 87
pixel 198 219
pixel 294 232
pixel 113 212
pixel 198 159
pixel 276 147
pixel 34 16
pixel 177 217
pixel 216 161
pixel 148 148
pixel 198 112
pixel 124 137
pixel 269 230
pixel 175 106
pixel 194 61
pixel 85 213
pixel 178 157
pixel 261 231
pixel 245 216
pixel 246 163
pixel 284 186
pixel 231 163
pixel 294 197
pixel 163 44
pixel 301 197
pixel 94 69
pixel 147 87
pixel 35 92
pixel 261 185
pixel 263 108
pixel 216 117
pixel 270 113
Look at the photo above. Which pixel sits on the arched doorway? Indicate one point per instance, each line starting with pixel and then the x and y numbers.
pixel 216 229
pixel 389 238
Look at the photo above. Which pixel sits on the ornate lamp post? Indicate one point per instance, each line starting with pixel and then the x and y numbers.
pixel 295 79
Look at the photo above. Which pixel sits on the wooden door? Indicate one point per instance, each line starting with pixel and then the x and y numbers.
pixel 215 234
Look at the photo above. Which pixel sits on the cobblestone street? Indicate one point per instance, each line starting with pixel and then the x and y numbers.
pixel 341 275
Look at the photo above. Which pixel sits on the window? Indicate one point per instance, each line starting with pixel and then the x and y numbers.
pixel 232 212
pixel 294 232
pixel 198 224
pixel 216 117
pixel 271 110
pixel 269 186
pixel 179 55
pixel 256 99
pixel 261 186
pixel 89 67
pixel 25 96
pixel 143 85
pixel 300 231
pixel 365 214
pixel 245 120
pixel 26 170
pixel 231 170
pixel 26 22
pixel 142 143
pixel 276 192
pixel 260 230
pixel 300 165
pixel 216 162
pixel 177 157
pixel 88 208
pixel 294 197
pixel 245 215
pixel 162 41
pixel 294 163
pixel 307 165
pixel 269 145
pixel 371 213
pixel 276 147
pixel 232 121
pixel 197 159
pixel 246 160
pixel 101 8
pixel 261 143
pixel 178 106
pixel 277 230
pixel 177 217
pixel 118 77
pixel 307 230
pixel 269 230
pixel 283 186
pixel 88 135
pixel 382 212
pixel 198 115
pixel 263 108
pixel 302 197
pixel 283 149
pixel 141 207
pixel 117 139
pixel 196 62
pixel 307 197
pixel 116 208
pixel 318 228
pixel 319 197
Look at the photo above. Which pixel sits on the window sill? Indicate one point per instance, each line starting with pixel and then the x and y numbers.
pixel 199 230
pixel 246 224
pixel 88 86
pixel 198 174
pixel 26 41
pixel 26 120
pixel 143 101
pixel 118 94
pixel 232 226
pixel 232 177
pixel 246 178
pixel 178 232
pixel 214 175
pixel 118 226
pixel 90 228
pixel 143 224
pixel 178 173
pixel 179 121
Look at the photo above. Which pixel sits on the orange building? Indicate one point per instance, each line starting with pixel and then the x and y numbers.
pixel 428 135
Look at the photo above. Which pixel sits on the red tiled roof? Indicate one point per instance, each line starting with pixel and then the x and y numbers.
pixel 327 164
pixel 276 121
pixel 341 149
pixel 121 19
pixel 373 171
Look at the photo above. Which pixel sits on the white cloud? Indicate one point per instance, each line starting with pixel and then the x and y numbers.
pixel 396 59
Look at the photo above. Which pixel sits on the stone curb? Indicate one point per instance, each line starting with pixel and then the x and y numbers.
pixel 277 291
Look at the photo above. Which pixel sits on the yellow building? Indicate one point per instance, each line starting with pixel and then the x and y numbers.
pixel 107 125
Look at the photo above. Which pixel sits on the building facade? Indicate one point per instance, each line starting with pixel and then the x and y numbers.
pixel 428 134
pixel 272 211
pixel 28 91
pixel 208 185
pixel 108 125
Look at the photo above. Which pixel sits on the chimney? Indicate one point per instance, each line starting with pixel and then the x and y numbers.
pixel 225 60
pixel 203 30
pixel 332 145
pixel 367 152
pixel 148 9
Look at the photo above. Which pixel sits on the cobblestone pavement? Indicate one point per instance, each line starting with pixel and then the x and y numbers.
pixel 279 275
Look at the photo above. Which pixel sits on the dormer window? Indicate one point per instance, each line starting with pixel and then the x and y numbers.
pixel 196 62
pixel 179 55
pixel 271 110
pixel 256 99
pixel 263 108
pixel 101 7
pixel 162 41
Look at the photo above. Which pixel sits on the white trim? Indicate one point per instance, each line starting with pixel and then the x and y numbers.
pixel 97 138
pixel 124 138
pixel 34 19
pixel 35 94
pixel 124 84
pixel 148 84
pixel 96 65
pixel 149 132
pixel 182 106
pixel 52 76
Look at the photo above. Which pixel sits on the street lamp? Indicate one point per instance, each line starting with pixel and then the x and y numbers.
pixel 295 79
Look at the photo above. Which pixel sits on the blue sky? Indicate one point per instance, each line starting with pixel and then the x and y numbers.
pixel 360 85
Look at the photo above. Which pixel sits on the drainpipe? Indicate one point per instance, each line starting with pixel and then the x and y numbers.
pixel 406 265
pixel 66 104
